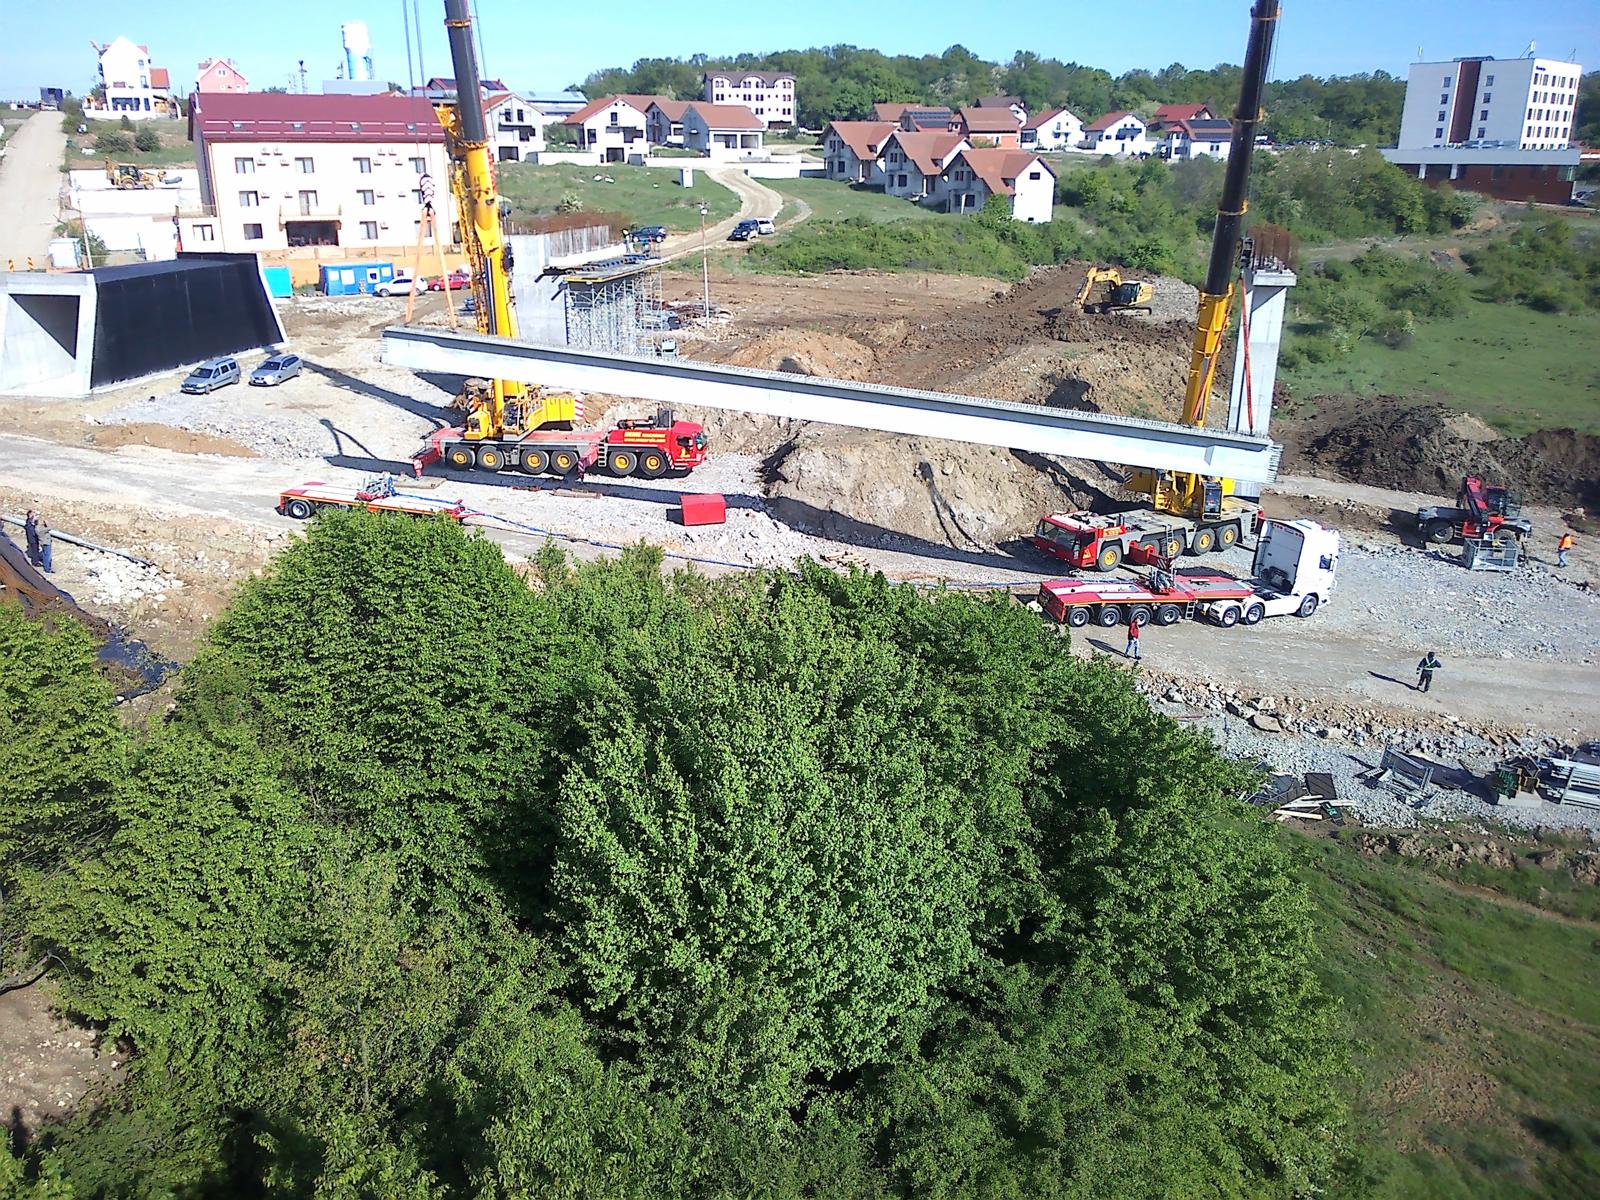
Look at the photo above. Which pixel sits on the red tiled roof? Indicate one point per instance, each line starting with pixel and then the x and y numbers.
pixel 1206 130
pixel 672 110
pixel 888 112
pixel 1046 117
pixel 287 117
pixel 865 138
pixel 995 166
pixel 599 106
pixel 1178 112
pixel 1106 122
pixel 159 77
pixel 998 101
pixel 926 150
pixel 989 120
pixel 725 116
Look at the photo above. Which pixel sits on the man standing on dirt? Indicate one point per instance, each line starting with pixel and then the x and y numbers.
pixel 46 547
pixel 1425 669
pixel 30 526
pixel 1133 640
pixel 1562 547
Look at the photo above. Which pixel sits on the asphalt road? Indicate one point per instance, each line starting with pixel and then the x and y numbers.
pixel 756 199
pixel 30 190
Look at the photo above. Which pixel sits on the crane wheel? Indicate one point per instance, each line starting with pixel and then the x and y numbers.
pixel 535 462
pixel 1107 616
pixel 491 458
pixel 1172 547
pixel 1227 537
pixel 563 462
pixel 460 457
pixel 621 463
pixel 1078 616
pixel 1169 614
pixel 1205 541
pixel 1109 558
pixel 652 464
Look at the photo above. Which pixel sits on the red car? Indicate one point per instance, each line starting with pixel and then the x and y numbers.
pixel 457 280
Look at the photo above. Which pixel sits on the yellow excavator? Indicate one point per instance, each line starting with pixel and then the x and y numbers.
pixel 497 409
pixel 125 176
pixel 1207 500
pixel 1119 295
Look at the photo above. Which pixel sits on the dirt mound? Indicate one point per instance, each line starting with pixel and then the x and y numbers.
pixel 804 352
pixel 1428 448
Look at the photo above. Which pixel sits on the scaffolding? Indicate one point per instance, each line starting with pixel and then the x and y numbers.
pixel 614 306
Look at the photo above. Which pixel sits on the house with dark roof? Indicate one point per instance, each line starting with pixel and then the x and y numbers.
pixel 850 149
pixel 1119 132
pixel 1053 129
pixel 975 174
pixel 282 174
pixel 1169 115
pixel 1187 139
pixel 664 120
pixel 911 163
pixel 768 94
pixel 443 87
pixel 989 126
pixel 722 130
pixel 1014 103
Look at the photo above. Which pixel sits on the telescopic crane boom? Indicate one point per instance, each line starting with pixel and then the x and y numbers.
pixel 1202 497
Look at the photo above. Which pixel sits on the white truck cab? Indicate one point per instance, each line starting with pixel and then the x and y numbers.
pixel 1294 571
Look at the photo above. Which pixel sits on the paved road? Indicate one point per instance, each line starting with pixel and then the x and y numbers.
pixel 756 199
pixel 30 189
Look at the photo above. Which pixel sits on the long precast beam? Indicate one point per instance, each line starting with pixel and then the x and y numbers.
pixel 681 382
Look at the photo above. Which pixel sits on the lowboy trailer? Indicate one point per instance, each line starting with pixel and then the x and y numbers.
pixel 650 448
pixel 308 499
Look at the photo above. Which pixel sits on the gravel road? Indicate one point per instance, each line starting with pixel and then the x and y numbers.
pixel 30 190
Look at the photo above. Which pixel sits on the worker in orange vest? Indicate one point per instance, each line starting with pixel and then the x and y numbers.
pixel 1562 547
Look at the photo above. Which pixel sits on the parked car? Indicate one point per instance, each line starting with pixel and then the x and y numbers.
pixel 211 375
pixel 765 226
pixel 401 285
pixel 744 231
pixel 457 279
pixel 648 233
pixel 275 370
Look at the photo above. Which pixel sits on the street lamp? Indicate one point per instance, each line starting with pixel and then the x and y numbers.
pixel 705 264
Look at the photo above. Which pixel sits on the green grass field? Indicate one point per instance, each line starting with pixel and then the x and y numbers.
pixel 176 149
pixel 1476 1026
pixel 1518 369
pixel 831 200
pixel 643 195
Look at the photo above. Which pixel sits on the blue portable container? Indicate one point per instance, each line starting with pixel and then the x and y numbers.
pixel 355 279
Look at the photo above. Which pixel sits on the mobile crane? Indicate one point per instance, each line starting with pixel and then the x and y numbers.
pixel 1186 512
pixel 509 424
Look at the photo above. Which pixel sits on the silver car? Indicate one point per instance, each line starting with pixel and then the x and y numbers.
pixel 275 370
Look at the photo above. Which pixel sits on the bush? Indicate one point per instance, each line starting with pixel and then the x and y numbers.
pixel 126 123
pixel 113 141
pixel 147 139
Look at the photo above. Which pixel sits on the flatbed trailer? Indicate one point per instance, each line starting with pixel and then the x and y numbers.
pixel 1161 598
pixel 1092 542
pixel 649 448
pixel 308 499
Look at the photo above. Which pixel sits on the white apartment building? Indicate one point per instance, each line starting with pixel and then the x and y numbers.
pixel 768 94
pixel 1509 103
pixel 134 86
pixel 283 175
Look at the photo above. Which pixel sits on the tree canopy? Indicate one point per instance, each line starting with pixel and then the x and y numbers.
pixel 844 82
pixel 443 881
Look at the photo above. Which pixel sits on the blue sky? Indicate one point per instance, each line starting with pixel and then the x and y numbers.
pixel 549 45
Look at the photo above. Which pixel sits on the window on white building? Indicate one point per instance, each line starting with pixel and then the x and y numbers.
pixel 305 166
pixel 1487 97
pixel 1483 114
pixel 249 199
pixel 252 233
pixel 1480 130
pixel 1488 81
pixel 1444 99
pixel 364 166
pixel 244 166
pixel 1446 82
pixel 369 230
pixel 367 197
pixel 308 203
pixel 1440 117
pixel 206 233
pixel 419 165
pixel 1438 133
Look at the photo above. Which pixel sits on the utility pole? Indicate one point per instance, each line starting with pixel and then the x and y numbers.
pixel 705 263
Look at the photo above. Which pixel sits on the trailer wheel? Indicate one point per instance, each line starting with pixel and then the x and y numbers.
pixel 1253 614
pixel 1109 558
pixel 491 458
pixel 1439 531
pixel 1078 616
pixel 1172 547
pixel 1204 542
pixel 1169 614
pixel 1107 616
pixel 1307 606
pixel 1139 613
pixel 460 457
pixel 563 462
pixel 652 464
pixel 1228 537
pixel 300 510
pixel 1228 617
pixel 621 462
pixel 535 462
